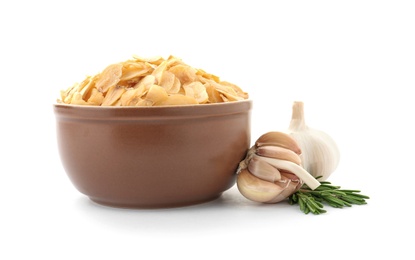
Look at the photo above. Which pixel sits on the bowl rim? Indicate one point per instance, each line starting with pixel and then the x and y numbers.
pixel 248 100
pixel 158 113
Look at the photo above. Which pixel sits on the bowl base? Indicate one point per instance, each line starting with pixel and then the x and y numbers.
pixel 152 206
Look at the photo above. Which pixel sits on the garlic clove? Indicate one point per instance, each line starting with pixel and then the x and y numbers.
pixel 278 139
pixel 289 189
pixel 278 152
pixel 294 168
pixel 255 189
pixel 321 154
pixel 263 170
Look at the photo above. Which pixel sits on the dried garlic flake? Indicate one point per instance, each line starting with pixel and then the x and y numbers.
pixel 151 82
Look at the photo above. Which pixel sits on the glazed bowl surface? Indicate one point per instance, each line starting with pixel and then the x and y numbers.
pixel 153 157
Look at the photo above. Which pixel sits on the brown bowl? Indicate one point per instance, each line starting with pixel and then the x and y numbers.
pixel 153 157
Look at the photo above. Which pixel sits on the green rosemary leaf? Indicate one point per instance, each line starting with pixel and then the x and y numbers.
pixel 334 204
pixel 302 204
pixel 336 200
pixel 311 208
pixel 306 210
pixel 294 197
pixel 327 186
pixel 357 195
pixel 353 196
pixel 322 210
pixel 319 204
pixel 309 204
pixel 333 193
pixel 312 203
pixel 325 182
pixel 353 201
pixel 351 191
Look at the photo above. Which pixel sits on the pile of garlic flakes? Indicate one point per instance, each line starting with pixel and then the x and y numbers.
pixel 151 82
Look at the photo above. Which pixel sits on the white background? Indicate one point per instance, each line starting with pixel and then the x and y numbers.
pixel 351 62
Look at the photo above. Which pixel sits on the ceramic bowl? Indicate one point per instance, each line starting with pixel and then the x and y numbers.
pixel 153 157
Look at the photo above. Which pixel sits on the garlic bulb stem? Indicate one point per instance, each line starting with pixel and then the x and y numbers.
pixel 297 118
pixel 294 168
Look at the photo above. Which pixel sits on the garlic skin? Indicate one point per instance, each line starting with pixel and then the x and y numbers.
pixel 320 154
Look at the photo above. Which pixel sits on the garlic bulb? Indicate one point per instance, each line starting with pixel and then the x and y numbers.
pixel 320 155
pixel 272 170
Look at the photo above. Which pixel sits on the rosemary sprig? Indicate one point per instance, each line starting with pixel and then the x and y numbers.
pixel 312 200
